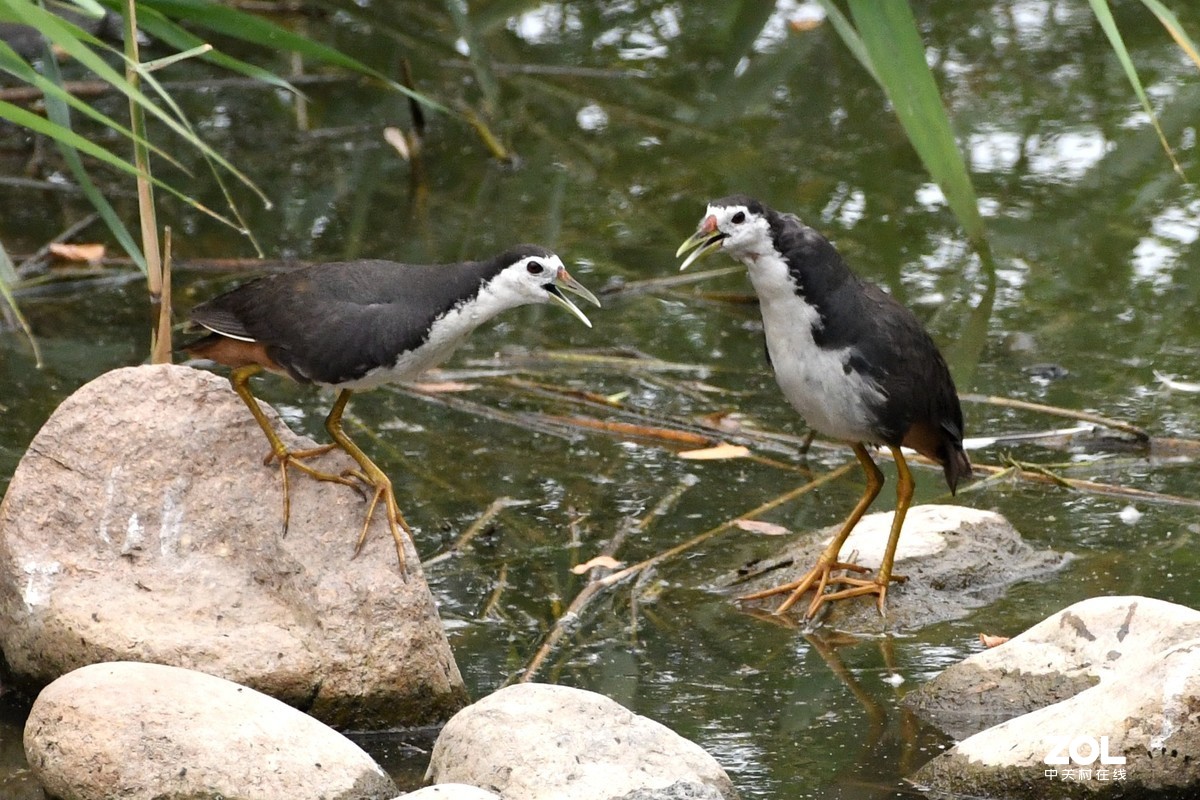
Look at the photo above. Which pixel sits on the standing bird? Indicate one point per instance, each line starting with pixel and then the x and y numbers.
pixel 854 362
pixel 360 324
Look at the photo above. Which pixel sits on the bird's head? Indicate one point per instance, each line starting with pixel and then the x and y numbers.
pixel 737 224
pixel 534 274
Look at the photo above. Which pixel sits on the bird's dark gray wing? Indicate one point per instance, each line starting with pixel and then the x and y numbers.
pixel 331 323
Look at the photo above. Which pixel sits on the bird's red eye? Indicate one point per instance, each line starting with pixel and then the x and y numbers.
pixel 738 218
pixel 534 267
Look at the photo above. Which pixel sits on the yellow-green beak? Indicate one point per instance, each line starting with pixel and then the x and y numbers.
pixel 564 281
pixel 701 243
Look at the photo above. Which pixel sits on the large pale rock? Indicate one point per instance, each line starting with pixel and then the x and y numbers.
pixel 544 742
pixel 955 558
pixel 143 731
pixel 142 525
pixel 1129 670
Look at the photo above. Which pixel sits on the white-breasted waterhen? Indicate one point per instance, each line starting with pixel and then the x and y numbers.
pixel 856 364
pixel 359 324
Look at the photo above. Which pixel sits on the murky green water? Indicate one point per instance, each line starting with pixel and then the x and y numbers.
pixel 626 118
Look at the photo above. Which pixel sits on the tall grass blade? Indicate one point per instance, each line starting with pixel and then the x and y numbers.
pixel 159 26
pixel 14 65
pixel 1104 16
pixel 78 44
pixel 892 42
pixel 59 114
pixel 8 279
pixel 147 213
pixel 1171 23
pixel 239 25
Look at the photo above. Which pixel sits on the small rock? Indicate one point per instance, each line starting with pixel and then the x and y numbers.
pixel 955 558
pixel 134 730
pixel 544 742
pixel 142 525
pixel 1110 675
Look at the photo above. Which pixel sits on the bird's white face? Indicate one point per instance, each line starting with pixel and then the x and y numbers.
pixel 539 279
pixel 737 230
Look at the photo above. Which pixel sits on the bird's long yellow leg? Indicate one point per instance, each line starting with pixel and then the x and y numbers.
pixel 819 577
pixel 239 379
pixel 370 475
pixel 879 586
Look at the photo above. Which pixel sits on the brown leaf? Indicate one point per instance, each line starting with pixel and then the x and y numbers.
pixel 608 562
pixel 758 526
pixel 717 453
pixel 91 253
pixel 988 640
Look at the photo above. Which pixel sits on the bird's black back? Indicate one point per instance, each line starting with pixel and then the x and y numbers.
pixel 331 323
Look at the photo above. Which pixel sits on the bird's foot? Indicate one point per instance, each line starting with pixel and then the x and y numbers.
pixel 818 579
pixel 295 458
pixel 856 587
pixel 396 522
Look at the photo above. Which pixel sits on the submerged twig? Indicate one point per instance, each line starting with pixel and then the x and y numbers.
pixel 571 617
pixel 475 528
pixel 493 602
pixel 1078 484
pixel 1069 413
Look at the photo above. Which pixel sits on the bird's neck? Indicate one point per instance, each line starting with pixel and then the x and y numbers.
pixel 465 317
pixel 802 265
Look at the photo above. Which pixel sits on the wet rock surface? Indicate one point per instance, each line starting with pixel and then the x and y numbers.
pixel 142 525
pixel 954 557
pixel 137 730
pixel 1131 728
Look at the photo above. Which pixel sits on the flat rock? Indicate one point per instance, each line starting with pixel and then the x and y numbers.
pixel 544 742
pixel 1110 675
pixel 136 731
pixel 955 558
pixel 142 525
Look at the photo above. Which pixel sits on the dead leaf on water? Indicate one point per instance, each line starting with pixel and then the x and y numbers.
pixel 91 253
pixel 445 387
pixel 717 453
pixel 758 526
pixel 988 640
pixel 396 138
pixel 607 562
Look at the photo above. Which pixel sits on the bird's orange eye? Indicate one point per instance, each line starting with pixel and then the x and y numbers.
pixel 534 267
pixel 738 218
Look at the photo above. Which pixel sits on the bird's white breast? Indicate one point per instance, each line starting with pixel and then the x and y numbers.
pixel 833 400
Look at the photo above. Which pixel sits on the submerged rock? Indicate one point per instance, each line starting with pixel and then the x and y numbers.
pixel 545 742
pixel 954 557
pixel 147 731
pixel 142 525
pixel 1100 700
